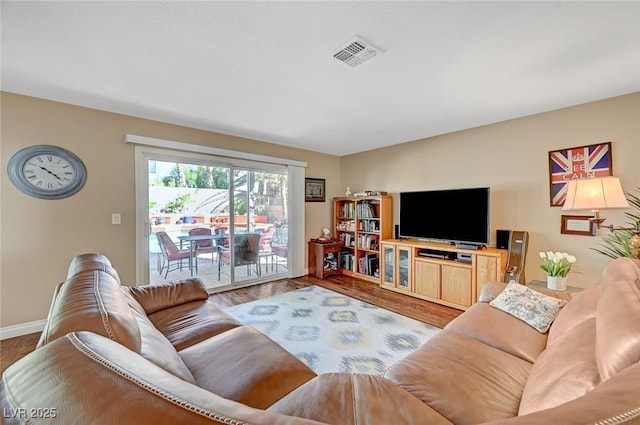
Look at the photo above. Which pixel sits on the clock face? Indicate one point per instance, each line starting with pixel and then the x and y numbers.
pixel 47 172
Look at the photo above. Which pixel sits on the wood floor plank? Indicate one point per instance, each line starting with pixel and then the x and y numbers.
pixel 13 349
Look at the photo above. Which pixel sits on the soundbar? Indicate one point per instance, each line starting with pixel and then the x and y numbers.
pixel 469 246
pixel 435 253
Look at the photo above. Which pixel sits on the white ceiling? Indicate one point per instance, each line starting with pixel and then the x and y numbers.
pixel 264 70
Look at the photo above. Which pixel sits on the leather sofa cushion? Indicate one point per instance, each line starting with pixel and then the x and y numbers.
pixel 500 330
pixel 245 366
pixel 190 323
pixel 92 301
pixel 154 298
pixel 565 371
pixel 356 399
pixel 89 379
pixel 464 380
pixel 581 308
pixel 618 325
pixel 158 350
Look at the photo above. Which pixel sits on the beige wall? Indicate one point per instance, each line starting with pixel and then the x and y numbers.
pixel 511 158
pixel 39 238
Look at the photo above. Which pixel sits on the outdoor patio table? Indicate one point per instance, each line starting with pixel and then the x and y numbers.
pixel 193 245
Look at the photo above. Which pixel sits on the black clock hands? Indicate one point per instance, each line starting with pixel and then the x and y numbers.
pixel 43 168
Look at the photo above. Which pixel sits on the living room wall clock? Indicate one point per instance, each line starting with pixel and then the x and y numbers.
pixel 47 172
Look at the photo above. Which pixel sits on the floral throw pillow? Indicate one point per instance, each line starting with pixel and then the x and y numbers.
pixel 536 309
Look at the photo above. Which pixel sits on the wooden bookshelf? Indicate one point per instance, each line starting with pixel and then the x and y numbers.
pixel 360 224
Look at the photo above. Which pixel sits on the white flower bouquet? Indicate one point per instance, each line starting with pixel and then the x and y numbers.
pixel 557 263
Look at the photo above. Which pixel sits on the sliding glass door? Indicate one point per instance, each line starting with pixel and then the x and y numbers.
pixel 224 223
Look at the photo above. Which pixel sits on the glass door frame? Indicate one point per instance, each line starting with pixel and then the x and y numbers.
pixel 143 155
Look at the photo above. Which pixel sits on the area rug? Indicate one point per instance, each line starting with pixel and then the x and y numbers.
pixel 331 332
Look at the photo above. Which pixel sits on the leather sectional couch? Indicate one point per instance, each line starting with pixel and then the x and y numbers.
pixel 113 354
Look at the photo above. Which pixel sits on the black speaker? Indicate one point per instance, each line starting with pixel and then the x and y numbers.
pixel 396 231
pixel 502 239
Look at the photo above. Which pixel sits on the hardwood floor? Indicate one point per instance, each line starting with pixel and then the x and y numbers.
pixel 13 349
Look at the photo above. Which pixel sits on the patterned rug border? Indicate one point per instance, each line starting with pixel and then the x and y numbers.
pixel 333 332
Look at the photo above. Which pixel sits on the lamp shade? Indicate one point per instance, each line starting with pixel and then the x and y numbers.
pixel 595 194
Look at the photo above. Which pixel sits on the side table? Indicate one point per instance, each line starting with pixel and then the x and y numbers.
pixel 324 258
pixel 543 285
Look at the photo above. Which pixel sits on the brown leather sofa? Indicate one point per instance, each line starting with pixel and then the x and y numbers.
pixel 113 354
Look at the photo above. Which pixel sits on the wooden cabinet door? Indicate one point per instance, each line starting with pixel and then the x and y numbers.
pixel 427 279
pixel 387 268
pixel 404 260
pixel 456 284
pixel 486 270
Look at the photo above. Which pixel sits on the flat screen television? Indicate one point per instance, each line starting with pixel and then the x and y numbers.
pixel 451 215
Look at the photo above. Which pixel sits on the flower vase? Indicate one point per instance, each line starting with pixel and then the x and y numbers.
pixel 557 283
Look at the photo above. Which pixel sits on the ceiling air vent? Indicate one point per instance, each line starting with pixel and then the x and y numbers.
pixel 355 52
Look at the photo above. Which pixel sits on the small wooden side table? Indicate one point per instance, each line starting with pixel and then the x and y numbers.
pixel 324 258
pixel 543 285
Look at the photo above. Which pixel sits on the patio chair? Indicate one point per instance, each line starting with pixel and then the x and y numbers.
pixel 222 231
pixel 204 246
pixel 171 253
pixel 266 238
pixel 279 246
pixel 246 252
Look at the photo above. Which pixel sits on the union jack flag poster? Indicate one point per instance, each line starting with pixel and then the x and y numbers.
pixel 582 162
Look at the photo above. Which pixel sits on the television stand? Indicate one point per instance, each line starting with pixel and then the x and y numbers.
pixel 438 272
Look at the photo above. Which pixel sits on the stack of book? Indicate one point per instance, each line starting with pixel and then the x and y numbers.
pixel 347 261
pixel 368 242
pixel 369 264
pixel 370 225
pixel 347 239
pixel 367 210
pixel 348 210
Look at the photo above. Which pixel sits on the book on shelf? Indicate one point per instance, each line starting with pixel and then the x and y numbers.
pixel 369 225
pixel 347 239
pixel 367 209
pixel 369 264
pixel 348 210
pixel 368 241
pixel 346 261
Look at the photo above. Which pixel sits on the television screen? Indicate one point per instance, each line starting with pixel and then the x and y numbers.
pixel 453 215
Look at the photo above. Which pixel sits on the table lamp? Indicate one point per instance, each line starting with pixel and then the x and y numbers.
pixel 597 194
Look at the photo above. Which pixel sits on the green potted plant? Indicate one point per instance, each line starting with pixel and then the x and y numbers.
pixel 557 265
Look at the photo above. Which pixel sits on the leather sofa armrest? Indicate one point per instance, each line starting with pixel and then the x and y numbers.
pixel 490 291
pixel 614 401
pixel 159 297
pixel 137 391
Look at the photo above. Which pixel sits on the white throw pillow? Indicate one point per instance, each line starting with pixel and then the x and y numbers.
pixel 536 309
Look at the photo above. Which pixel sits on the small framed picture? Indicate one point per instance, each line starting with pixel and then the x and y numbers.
pixel 578 225
pixel 314 190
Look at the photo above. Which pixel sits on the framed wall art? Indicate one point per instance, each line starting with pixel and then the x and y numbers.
pixel 578 225
pixel 314 190
pixel 581 162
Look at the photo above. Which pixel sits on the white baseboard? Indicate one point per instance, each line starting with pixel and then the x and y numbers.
pixel 22 329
